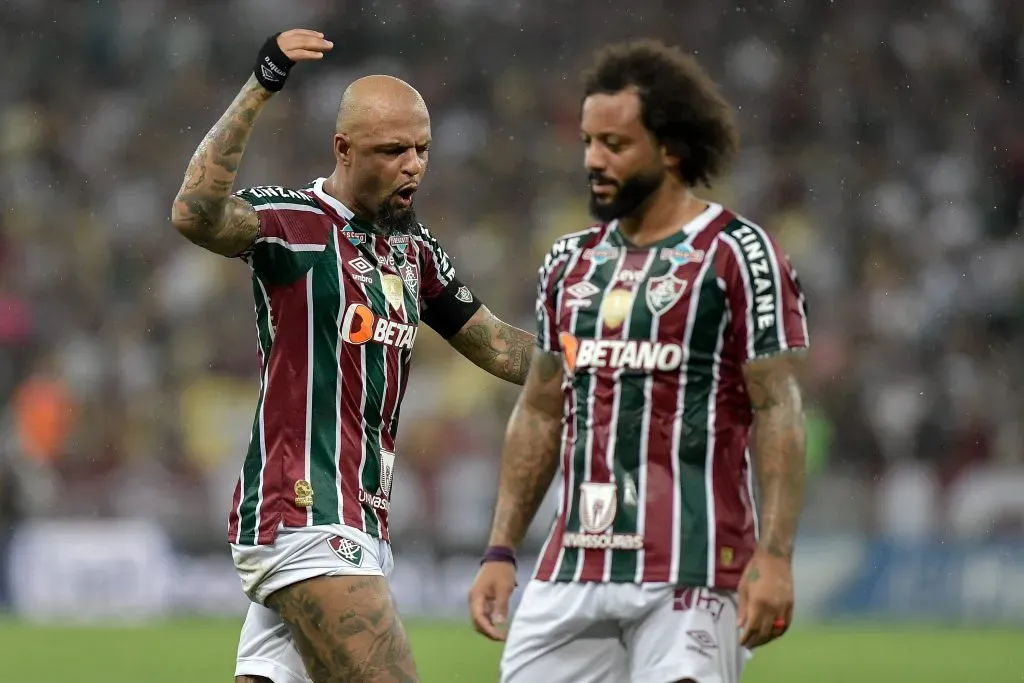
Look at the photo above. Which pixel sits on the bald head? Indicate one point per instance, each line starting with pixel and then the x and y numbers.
pixel 373 100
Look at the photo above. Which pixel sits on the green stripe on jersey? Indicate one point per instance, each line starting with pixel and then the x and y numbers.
pixel 253 463
pixel 693 559
pixel 323 447
pixel 374 388
pixel 632 423
pixel 586 327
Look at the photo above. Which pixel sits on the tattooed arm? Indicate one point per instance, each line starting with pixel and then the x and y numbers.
pixel 779 449
pixel 495 346
pixel 529 457
pixel 204 210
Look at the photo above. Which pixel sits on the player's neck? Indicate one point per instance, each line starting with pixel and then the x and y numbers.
pixel 667 210
pixel 335 188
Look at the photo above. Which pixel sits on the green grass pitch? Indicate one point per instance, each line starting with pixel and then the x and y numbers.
pixel 202 651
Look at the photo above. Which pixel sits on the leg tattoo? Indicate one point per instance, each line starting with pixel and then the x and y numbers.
pixel 347 630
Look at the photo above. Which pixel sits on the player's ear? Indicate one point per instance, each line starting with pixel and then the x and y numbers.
pixel 669 159
pixel 342 149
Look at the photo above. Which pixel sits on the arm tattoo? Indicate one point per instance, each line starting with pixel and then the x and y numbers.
pixel 495 346
pixel 779 449
pixel 204 210
pixel 529 458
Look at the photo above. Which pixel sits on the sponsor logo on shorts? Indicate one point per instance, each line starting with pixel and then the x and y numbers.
pixel 700 642
pixel 463 294
pixel 347 550
pixel 698 599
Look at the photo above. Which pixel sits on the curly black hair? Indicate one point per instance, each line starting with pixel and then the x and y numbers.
pixel 679 104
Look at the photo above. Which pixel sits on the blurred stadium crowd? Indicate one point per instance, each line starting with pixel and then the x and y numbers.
pixel 883 144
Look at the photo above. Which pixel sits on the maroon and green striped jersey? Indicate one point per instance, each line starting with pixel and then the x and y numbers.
pixel 338 308
pixel 655 468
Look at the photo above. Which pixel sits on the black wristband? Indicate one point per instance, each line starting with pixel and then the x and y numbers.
pixel 500 553
pixel 272 65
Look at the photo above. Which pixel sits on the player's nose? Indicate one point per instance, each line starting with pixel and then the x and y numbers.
pixel 594 159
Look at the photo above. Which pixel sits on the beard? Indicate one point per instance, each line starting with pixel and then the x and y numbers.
pixel 392 220
pixel 631 193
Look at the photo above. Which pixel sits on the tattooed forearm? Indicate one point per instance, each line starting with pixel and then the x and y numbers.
pixel 495 346
pixel 529 458
pixel 204 210
pixel 779 449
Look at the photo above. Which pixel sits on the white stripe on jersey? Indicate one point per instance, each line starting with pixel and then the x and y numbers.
pixel 273 206
pixel 307 469
pixel 289 246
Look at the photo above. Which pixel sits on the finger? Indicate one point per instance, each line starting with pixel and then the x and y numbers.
pixel 310 44
pixel 742 609
pixel 304 55
pixel 480 610
pixel 753 626
pixel 303 32
pixel 500 614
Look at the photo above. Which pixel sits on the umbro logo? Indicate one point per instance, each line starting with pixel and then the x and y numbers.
pixel 581 290
pixel 360 265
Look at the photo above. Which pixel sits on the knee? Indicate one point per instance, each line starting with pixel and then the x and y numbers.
pixel 252 679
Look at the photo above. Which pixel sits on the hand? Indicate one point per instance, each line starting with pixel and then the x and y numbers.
pixel 488 598
pixel 303 45
pixel 766 599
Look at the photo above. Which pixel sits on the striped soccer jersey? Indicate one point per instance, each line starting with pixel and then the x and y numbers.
pixel 655 467
pixel 338 308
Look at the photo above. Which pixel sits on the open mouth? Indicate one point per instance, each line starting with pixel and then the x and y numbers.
pixel 405 194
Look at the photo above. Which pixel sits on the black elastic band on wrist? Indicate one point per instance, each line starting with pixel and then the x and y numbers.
pixel 500 553
pixel 272 65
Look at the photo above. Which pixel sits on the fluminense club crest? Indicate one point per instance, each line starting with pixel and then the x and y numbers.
pixel 663 292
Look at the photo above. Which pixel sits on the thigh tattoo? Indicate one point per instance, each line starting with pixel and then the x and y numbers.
pixel 347 630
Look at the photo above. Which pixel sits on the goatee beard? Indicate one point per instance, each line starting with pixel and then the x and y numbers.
pixel 633 192
pixel 392 221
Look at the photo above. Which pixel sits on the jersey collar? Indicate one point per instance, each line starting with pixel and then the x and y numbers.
pixel 691 228
pixel 343 211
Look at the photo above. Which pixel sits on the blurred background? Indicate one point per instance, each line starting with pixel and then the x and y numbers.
pixel 883 145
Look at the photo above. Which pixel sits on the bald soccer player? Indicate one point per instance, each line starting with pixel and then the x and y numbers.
pixel 342 275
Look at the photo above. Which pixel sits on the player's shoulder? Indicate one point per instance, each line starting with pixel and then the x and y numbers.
pixel 280 198
pixel 739 229
pixel 569 244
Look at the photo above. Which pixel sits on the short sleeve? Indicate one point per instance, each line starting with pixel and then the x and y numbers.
pixel 448 304
pixel 293 233
pixel 768 310
pixel 546 308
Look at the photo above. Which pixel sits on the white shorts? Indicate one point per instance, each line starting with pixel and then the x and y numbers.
pixel 614 633
pixel 265 647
